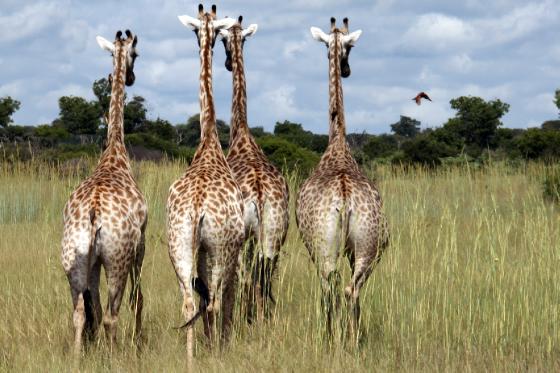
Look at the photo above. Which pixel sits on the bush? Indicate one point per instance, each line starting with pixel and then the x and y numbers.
pixel 66 152
pixel 536 143
pixel 151 141
pixel 426 150
pixel 381 146
pixel 50 135
pixel 284 154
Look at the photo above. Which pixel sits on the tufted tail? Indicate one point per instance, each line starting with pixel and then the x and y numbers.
pixel 88 303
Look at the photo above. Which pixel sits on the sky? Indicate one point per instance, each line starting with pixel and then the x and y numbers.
pixel 493 49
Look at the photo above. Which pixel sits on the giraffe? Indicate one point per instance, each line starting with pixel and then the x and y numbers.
pixel 264 189
pixel 338 207
pixel 205 208
pixel 105 218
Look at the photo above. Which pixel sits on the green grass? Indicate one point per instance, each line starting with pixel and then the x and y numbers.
pixel 470 281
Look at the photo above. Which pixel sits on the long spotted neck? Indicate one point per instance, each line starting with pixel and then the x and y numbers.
pixel 239 126
pixel 208 131
pixel 337 125
pixel 115 132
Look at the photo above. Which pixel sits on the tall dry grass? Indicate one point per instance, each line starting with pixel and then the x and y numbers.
pixel 470 281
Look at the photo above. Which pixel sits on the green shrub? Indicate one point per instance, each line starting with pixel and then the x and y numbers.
pixel 285 154
pixel 64 152
pixel 151 141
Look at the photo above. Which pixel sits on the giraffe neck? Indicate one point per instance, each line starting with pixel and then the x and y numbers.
pixel 115 131
pixel 208 131
pixel 239 127
pixel 337 125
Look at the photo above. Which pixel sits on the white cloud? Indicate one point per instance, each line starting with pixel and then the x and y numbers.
pixel 14 89
pixel 461 63
pixel 439 31
pixel 279 101
pixel 543 102
pixel 76 35
pixel 30 20
pixel 49 100
pixel 170 74
pixel 520 22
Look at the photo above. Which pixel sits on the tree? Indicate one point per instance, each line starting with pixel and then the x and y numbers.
pixel 426 150
pixel 8 106
pixel 406 127
pixel 295 133
pixel 380 146
pixel 536 143
pixel 50 135
pixel 477 120
pixel 135 115
pixel 258 132
pixel 189 134
pixel 102 90
pixel 557 98
pixel 160 128
pixel 285 154
pixel 78 116
pixel 551 125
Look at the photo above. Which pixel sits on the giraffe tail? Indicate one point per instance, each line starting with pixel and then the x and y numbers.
pixel 344 224
pixel 88 302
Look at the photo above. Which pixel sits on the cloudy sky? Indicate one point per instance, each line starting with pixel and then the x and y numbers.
pixel 507 49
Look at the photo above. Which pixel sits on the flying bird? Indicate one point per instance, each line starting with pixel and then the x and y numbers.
pixel 420 96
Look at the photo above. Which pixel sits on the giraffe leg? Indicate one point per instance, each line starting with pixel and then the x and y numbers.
pixel 96 309
pixel 258 286
pixel 136 297
pixel 116 283
pixel 361 270
pixel 266 267
pixel 330 299
pixel 77 277
pixel 227 298
pixel 79 320
pixel 183 269
pixel 189 312
pixel 207 316
pixel 246 275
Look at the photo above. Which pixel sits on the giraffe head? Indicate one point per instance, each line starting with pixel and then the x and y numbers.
pixel 236 35
pixel 340 41
pixel 122 50
pixel 207 25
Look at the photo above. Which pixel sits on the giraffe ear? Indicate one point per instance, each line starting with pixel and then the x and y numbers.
pixel 105 44
pixel 225 23
pixel 189 21
pixel 223 33
pixel 250 31
pixel 352 38
pixel 319 35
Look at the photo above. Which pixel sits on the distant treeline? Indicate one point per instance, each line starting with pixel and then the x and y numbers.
pixel 474 134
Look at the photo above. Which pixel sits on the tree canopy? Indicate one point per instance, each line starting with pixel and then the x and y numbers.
pixel 477 120
pixel 78 116
pixel 189 134
pixel 8 106
pixel 406 127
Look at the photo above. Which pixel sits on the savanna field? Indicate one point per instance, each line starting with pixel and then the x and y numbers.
pixel 470 281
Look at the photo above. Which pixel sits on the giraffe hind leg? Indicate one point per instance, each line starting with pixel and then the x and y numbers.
pixel 136 297
pixel 361 270
pixel 116 283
